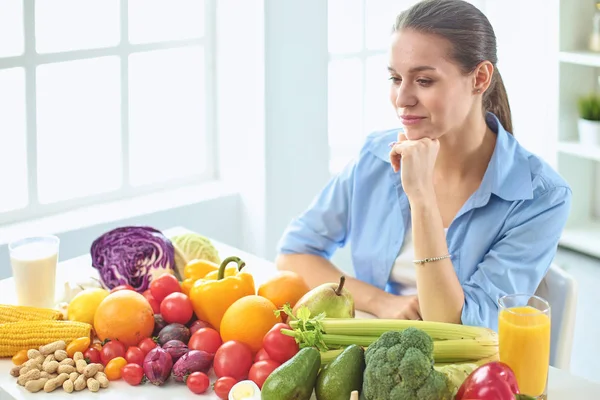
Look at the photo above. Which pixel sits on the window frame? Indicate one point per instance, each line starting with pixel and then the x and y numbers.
pixel 29 60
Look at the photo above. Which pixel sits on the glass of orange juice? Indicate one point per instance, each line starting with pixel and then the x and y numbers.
pixel 524 340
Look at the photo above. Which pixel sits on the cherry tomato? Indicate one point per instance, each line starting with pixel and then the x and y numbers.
pixel 79 344
pixel 152 301
pixel 278 346
pixel 93 355
pixel 146 345
pixel 132 374
pixel 122 287
pixel 135 355
pixel 113 368
pixel 176 307
pixel 261 355
pixel 197 382
pixel 233 359
pixel 260 371
pixel 163 286
pixel 206 339
pixel 20 357
pixel 223 385
pixel 111 350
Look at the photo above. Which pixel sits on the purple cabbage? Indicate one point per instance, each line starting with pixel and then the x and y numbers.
pixel 132 255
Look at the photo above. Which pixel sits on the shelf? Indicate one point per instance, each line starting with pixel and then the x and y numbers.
pixel 582 237
pixel 588 58
pixel 579 150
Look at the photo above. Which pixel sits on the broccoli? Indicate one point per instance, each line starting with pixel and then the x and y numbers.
pixel 399 365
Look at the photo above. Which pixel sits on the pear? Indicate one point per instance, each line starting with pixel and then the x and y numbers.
pixel 330 298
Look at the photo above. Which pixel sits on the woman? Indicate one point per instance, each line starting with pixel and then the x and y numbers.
pixel 473 214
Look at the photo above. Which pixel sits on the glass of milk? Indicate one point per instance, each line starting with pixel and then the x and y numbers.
pixel 33 262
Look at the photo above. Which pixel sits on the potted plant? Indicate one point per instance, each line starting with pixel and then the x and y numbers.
pixel 589 120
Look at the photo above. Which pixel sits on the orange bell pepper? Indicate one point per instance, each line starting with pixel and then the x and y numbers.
pixel 211 298
pixel 199 268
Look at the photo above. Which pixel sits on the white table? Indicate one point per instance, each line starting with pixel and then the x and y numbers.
pixel 562 385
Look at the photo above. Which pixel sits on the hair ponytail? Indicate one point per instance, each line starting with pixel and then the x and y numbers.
pixel 495 100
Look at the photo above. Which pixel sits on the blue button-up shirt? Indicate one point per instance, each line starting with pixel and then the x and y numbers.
pixel 502 240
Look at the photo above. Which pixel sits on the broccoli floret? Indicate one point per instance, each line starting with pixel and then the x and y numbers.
pixel 399 365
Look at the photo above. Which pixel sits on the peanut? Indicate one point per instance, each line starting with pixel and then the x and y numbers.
pixel 67 361
pixel 25 370
pixel 48 358
pixel 65 369
pixel 102 379
pixel 29 376
pixel 78 356
pixel 51 367
pixel 33 354
pixel 79 383
pixel 52 347
pixel 68 386
pixel 60 355
pixel 81 365
pixel 35 362
pixel 36 385
pixel 91 370
pixel 52 384
pixel 93 385
pixel 73 376
pixel 15 371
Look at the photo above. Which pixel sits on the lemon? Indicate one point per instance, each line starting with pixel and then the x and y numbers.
pixel 83 306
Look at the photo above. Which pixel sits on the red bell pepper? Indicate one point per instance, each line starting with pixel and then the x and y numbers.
pixel 492 381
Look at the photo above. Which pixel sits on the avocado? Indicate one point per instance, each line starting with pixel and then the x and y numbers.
pixel 342 376
pixel 295 378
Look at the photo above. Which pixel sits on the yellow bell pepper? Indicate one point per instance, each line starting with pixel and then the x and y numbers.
pixel 187 284
pixel 229 271
pixel 211 298
pixel 199 268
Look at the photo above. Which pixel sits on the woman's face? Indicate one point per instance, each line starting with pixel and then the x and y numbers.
pixel 428 90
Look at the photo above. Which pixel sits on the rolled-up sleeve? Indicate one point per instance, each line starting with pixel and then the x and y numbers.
pixel 324 226
pixel 517 262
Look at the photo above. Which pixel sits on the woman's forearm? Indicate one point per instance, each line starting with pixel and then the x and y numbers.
pixel 441 297
pixel 317 270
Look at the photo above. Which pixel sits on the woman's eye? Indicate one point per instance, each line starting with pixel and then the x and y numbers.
pixel 395 80
pixel 424 82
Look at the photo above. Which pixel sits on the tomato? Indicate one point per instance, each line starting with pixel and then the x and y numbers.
pixel 223 385
pixel 111 350
pixel 197 324
pixel 92 355
pixel 261 355
pixel 163 286
pixel 113 368
pixel 78 345
pixel 260 371
pixel 206 339
pixel 278 346
pixel 146 345
pixel 132 373
pixel 135 355
pixel 20 357
pixel 176 307
pixel 197 382
pixel 152 301
pixel 122 287
pixel 233 359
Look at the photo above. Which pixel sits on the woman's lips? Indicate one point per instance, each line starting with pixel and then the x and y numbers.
pixel 411 119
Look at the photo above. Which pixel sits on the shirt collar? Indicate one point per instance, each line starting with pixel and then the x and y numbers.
pixel 508 174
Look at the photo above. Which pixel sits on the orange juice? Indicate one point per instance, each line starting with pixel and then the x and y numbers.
pixel 524 339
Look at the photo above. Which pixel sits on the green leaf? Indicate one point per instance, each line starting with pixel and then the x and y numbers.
pixel 303 313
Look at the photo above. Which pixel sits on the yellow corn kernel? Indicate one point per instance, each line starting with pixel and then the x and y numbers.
pixel 10 313
pixel 16 336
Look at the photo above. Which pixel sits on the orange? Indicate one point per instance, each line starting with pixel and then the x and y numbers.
pixel 286 287
pixel 248 320
pixel 124 315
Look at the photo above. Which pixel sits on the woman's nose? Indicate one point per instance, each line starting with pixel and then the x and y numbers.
pixel 405 97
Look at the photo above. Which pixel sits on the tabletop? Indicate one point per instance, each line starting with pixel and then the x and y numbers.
pixel 561 384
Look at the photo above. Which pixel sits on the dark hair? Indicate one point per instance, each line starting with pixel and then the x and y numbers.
pixel 473 41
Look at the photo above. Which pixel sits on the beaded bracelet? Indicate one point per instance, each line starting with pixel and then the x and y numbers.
pixel 432 259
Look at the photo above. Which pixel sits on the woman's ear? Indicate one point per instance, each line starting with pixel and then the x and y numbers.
pixel 482 77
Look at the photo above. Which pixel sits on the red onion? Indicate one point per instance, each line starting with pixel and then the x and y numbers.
pixel 192 361
pixel 176 348
pixel 157 366
pixel 198 324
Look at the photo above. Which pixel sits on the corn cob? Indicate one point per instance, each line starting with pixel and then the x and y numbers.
pixel 17 336
pixel 10 313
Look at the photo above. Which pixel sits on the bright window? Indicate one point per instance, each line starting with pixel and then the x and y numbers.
pixel 359 32
pixel 102 100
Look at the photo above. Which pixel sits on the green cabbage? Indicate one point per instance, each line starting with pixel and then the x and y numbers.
pixel 191 246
